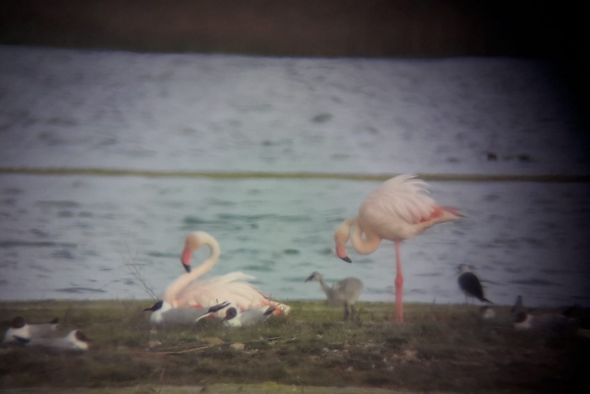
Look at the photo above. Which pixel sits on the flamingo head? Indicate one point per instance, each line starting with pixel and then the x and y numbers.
pixel 341 237
pixel 341 252
pixel 191 243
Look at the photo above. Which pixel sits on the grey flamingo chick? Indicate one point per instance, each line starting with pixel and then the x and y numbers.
pixel 344 292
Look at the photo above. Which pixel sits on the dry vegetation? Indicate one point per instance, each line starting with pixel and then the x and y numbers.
pixel 440 348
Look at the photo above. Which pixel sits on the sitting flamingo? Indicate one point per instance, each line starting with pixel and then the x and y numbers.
pixel 188 292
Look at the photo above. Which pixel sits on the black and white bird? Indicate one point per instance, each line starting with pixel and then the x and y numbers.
pixel 470 284
pixel 164 314
pixel 249 317
pixel 19 328
pixel 524 320
pixel 75 340
pixel 345 292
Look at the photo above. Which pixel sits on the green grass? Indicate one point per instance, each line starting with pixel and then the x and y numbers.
pixel 443 348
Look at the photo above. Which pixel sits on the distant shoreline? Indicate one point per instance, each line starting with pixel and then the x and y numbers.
pixel 221 175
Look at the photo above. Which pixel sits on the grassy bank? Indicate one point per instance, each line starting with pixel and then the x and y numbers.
pixel 440 348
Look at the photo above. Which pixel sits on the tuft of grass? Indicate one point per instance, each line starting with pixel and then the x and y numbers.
pixel 439 348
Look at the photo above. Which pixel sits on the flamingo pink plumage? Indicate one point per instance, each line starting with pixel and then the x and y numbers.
pixel 186 291
pixel 399 209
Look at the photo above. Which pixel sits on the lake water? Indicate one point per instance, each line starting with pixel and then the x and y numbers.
pixel 79 236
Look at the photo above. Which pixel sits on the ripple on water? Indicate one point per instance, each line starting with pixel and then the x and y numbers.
pixel 12 191
pixel 244 218
pixel 162 255
pixel 63 254
pixel 324 251
pixel 429 274
pixel 220 203
pixel 363 260
pixel 294 279
pixel 255 268
pixel 195 220
pixel 243 252
pixel 79 290
pixel 63 204
pixel 534 282
pixel 8 263
pixel 39 244
pixel 40 268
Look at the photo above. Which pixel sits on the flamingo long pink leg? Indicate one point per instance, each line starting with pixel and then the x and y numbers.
pixel 399 286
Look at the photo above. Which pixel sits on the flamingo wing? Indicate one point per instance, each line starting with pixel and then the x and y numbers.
pixel 403 196
pixel 229 287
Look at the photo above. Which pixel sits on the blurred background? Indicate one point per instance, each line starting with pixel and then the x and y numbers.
pixel 126 124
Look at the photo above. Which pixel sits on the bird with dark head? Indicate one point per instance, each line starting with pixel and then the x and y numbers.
pixel 162 313
pixel 470 284
pixel 249 317
pixel 22 329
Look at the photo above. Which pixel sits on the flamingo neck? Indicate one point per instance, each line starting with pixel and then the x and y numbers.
pixel 324 286
pixel 214 253
pixel 185 279
pixel 341 237
pixel 363 245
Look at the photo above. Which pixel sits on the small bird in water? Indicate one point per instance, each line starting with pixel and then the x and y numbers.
pixel 470 284
pixel 249 317
pixel 344 292
pixel 164 314
pixel 21 329
pixel 75 340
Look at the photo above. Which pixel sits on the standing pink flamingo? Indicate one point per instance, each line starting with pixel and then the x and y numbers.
pixel 188 292
pixel 399 209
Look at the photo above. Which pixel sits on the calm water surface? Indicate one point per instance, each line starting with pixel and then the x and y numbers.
pixel 78 237
pixel 75 237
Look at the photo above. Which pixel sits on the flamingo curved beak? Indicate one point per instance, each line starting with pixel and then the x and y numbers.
pixel 185 258
pixel 341 252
